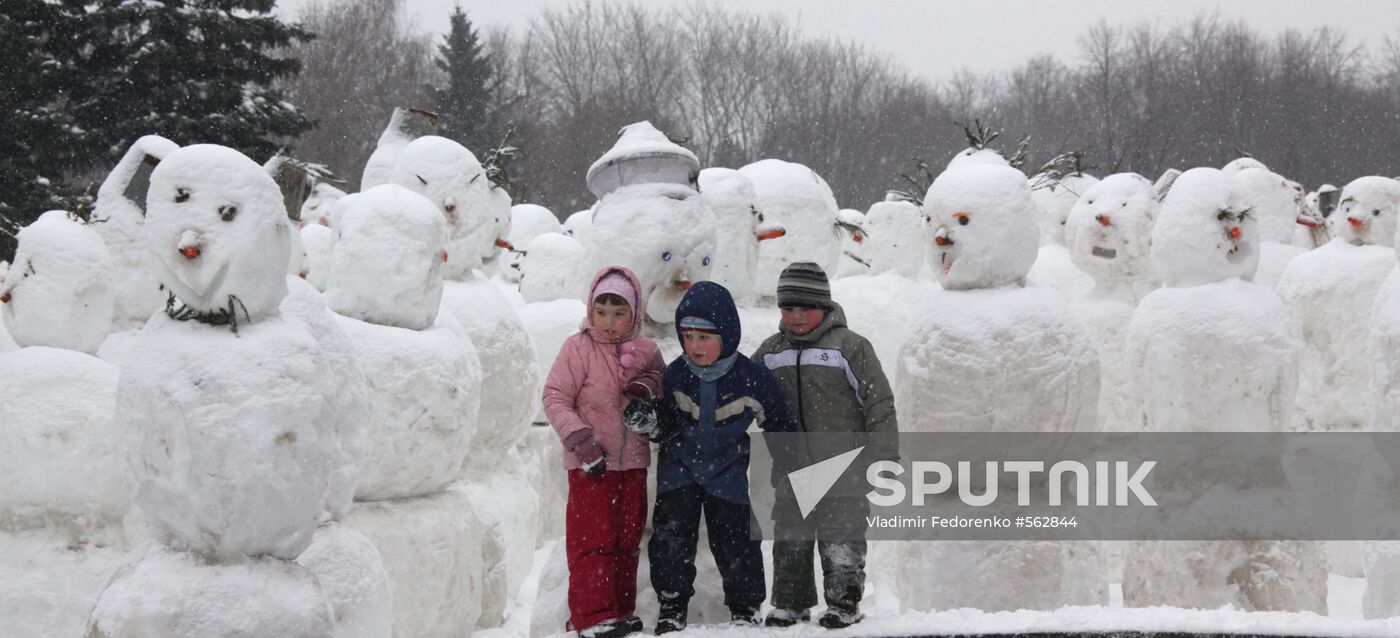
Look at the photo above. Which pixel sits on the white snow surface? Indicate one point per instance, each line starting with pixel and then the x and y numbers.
pixel 662 232
pixel 1054 269
pixel 53 575
pixel 59 289
pixel 1330 292
pixel 897 238
pixel 297 256
pixel 1368 210
pixel 231 440
pixel 1053 200
pixel 971 156
pixel 352 577
pixel 424 396
pixel 379 169
pixel 179 595
pixel 798 198
pixel 1192 241
pixel 118 220
pixel 732 198
pixel 316 210
pixel 549 324
pixel 854 252
pixel 387 265
pixel 1242 163
pixel 641 155
pixel 1384 350
pixel 527 221
pixel 451 177
pixel 578 223
pixel 60 454
pixel 553 268
pixel 1109 231
pixel 1272 200
pixel 938 575
pixel 987 219
pixel 871 311
pixel 227 216
pixel 1253 576
pixel 319 242
pixel 508 510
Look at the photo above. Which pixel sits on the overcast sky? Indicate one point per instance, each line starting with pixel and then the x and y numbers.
pixel 937 37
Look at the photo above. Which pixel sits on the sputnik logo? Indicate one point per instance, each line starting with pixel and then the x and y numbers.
pixel 810 484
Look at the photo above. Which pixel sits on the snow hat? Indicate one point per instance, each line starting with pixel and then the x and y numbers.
pixel 616 283
pixel 804 284
pixel 698 323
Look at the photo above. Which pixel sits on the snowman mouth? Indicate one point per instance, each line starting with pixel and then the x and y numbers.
pixel 1237 253
pixel 1106 253
pixel 945 261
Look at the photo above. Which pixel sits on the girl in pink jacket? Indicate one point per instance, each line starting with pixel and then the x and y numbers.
pixel 587 390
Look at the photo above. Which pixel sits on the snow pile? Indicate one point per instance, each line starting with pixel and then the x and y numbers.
pixel 1206 231
pixel 801 201
pixel 984 229
pixel 897 238
pixel 319 243
pixel 662 232
pixel 642 155
pixel 451 177
pixel 731 196
pixel 552 269
pixel 59 290
pixel 388 259
pixel 117 216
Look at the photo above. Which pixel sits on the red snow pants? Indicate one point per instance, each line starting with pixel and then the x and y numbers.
pixel 602 537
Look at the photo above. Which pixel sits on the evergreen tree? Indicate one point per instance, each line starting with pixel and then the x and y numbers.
pixel 465 101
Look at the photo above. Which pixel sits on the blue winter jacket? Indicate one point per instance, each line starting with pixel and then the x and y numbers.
pixel 705 424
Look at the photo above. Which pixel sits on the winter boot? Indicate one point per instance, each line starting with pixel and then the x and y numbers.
pixel 674 610
pixel 839 615
pixel 780 617
pixel 615 628
pixel 744 616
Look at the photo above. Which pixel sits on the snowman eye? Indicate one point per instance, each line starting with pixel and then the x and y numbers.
pixel 705 261
pixel 963 220
pixel 1376 213
pixel 181 196
pixel 666 256
pixel 227 213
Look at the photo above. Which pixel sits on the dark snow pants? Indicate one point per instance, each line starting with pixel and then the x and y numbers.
pixel 830 529
pixel 675 532
pixel 602 538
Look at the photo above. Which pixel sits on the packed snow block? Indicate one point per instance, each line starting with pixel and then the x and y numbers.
pixel 1384 349
pixel 58 292
pixel 941 575
pixel 117 216
pixel 449 175
pixel 865 299
pixel 987 340
pixel 405 126
pixel 543 469
pixel 351 400
pixel 53 575
pixel 1248 575
pixel 731 197
pixel 796 197
pixel 424 398
pixel 662 232
pixel 508 510
pixel 1330 292
pixel 897 237
pixel 549 324
pixel 352 577
pixel 510 379
pixel 553 269
pixel 1054 269
pixel 231 440
pixel 1107 318
pixel 388 259
pixel 431 548
pixel 1381 563
pixel 178 595
pixel 60 451
pixel 1274 259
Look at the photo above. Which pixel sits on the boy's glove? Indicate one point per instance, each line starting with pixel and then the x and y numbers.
pixel 588 451
pixel 640 417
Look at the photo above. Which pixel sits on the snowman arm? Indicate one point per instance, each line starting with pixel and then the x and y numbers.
pixel 561 390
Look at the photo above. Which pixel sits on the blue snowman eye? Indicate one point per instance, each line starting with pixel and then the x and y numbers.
pixel 666 256
pixel 705 261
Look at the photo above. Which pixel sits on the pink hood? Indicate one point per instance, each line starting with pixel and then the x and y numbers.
pixel 638 309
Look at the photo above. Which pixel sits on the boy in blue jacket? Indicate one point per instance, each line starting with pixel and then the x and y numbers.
pixel 711 395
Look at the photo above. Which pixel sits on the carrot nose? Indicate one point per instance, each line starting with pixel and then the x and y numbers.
pixel 1103 220
pixel 683 283
pixel 191 251
pixel 444 256
pixel 1235 232
pixel 5 298
pixel 941 237
pixel 1355 223
pixel 858 238
pixel 772 234
pixel 501 243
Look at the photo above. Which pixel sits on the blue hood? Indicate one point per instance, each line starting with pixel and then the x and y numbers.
pixel 712 302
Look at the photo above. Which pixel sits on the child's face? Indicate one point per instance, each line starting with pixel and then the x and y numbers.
pixel 801 321
pixel 611 321
pixel 702 347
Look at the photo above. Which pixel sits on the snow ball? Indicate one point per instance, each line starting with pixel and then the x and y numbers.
pixel 352 577
pixel 1205 232
pixel 1109 229
pixel 387 266
pixel 451 177
pixel 984 227
pixel 58 292
pixel 976 157
pixel 552 269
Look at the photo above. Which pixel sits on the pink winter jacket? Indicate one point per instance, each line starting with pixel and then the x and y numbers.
pixel 585 385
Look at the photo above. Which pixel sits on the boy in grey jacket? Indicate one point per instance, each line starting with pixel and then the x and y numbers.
pixel 833 382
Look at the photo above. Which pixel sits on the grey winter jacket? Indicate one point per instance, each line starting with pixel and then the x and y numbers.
pixel 833 383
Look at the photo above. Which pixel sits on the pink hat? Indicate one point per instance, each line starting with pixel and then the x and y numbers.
pixel 618 284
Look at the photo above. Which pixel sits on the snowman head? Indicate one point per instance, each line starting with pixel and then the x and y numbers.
pixel 973 156
pixel 731 195
pixel 387 264
pixel 1274 201
pixel 897 238
pixel 450 176
pixel 984 227
pixel 1243 163
pixel 1109 229
pixel 1368 210
pixel 662 232
pixel 1054 197
pixel 58 292
pixel 217 225
pixel 1205 232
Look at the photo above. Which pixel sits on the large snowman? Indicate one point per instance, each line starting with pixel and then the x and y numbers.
pixel 228 411
pixel 1381 560
pixel 1055 195
pixel 117 216
pixel 1212 351
pixel 963 369
pixel 1108 234
pixel 797 198
pixel 1329 291
pixel 1274 204
pixel 740 227
pixel 60 455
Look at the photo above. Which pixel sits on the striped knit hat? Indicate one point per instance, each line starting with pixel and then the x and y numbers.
pixel 804 284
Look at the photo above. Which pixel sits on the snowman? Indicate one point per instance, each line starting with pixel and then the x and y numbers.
pixel 60 456
pixel 1108 234
pixel 963 369
pixel 451 177
pixel 318 242
pixel 1054 196
pixel 1212 351
pixel 1330 291
pixel 552 269
pixel 527 221
pixel 1275 207
pixel 228 413
pixel 6 343
pixel 1381 559
pixel 799 200
pixel 405 126
pixel 740 226
pixel 117 216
